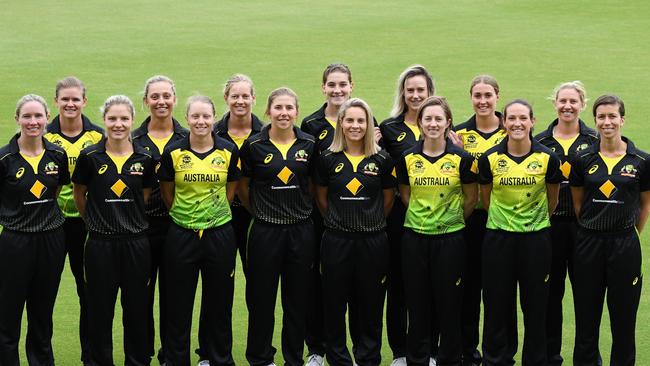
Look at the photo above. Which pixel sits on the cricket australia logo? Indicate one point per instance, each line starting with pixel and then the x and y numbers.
pixel 628 171
pixel 51 168
pixel 447 167
pixel 301 155
pixel 218 162
pixel 136 169
pixel 534 167
pixel 371 169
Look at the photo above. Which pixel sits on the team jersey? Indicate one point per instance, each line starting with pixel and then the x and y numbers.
pixel 200 179
pixel 518 202
pixel 355 200
pixel 90 135
pixel 115 199
pixel 279 178
pixel 476 142
pixel 155 206
pixel 398 136
pixel 221 129
pixel 436 201
pixel 566 150
pixel 29 185
pixel 612 187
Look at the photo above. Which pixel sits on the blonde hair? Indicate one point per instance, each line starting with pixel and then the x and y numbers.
pixel 198 99
pixel 69 82
pixel 31 98
pixel 431 102
pixel 236 78
pixel 399 105
pixel 116 100
pixel 155 79
pixel 484 79
pixel 339 144
pixel 278 93
pixel 576 85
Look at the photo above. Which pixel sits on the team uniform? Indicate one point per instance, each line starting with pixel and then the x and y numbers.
pixel 607 256
pixel 517 248
pixel 74 226
pixel 563 231
pixel 354 252
pixel 200 238
pixel 280 243
pixel 117 252
pixel 32 248
pixel 433 248
pixel 398 136
pixel 159 223
pixel 476 143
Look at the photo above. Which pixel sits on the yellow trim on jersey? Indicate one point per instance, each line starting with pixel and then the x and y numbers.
pixel 566 143
pixel 354 160
pixel 34 160
pixel 239 140
pixel 332 123
pixel 610 162
pixel 160 143
pixel 414 128
pixel 118 160
pixel 283 148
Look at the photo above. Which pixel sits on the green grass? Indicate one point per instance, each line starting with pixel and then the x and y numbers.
pixel 529 46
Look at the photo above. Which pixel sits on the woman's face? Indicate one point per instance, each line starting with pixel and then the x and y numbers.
pixel 32 119
pixel 415 92
pixel 240 99
pixel 118 121
pixel 160 100
pixel 354 124
pixel 337 88
pixel 568 105
pixel 434 122
pixel 200 119
pixel 70 102
pixel 609 121
pixel 484 99
pixel 283 112
pixel 517 122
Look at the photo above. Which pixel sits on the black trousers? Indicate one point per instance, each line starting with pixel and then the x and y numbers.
pixel 157 233
pixel 276 251
pixel 112 263
pixel 213 253
pixel 75 238
pixel 354 266
pixel 563 238
pixel 511 258
pixel 433 273
pixel 396 318
pixel 30 272
pixel 315 337
pixel 606 262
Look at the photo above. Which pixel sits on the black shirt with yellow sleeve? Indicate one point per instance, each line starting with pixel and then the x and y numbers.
pixel 612 187
pixel 115 199
pixel 518 201
pixel 355 184
pixel 398 136
pixel 29 185
pixel 320 127
pixel 200 179
pixel 436 200
pixel 90 135
pixel 279 176
pixel 477 142
pixel 155 147
pixel 566 150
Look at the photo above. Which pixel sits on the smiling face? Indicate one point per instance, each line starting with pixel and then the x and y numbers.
pixel 32 119
pixel 484 99
pixel 354 124
pixel 517 122
pixel 200 118
pixel 118 120
pixel 160 99
pixel 568 105
pixel 609 121
pixel 434 122
pixel 70 102
pixel 337 88
pixel 283 112
pixel 240 99
pixel 415 92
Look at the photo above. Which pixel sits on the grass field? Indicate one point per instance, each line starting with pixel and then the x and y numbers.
pixel 529 46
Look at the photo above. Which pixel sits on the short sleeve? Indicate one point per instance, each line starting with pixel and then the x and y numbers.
pixel 313 160
pixel 576 176
pixel 234 168
pixel 644 184
pixel 245 159
pixel 321 172
pixel 82 170
pixel 553 172
pixel 468 170
pixel 388 174
pixel 402 172
pixel 64 169
pixel 166 171
pixel 484 170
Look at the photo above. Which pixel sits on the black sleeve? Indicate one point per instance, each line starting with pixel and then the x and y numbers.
pixel 553 172
pixel 388 175
pixel 149 179
pixel 64 169
pixel 3 171
pixel 82 171
pixel 468 170
pixel 244 158
pixel 484 170
pixel 321 173
pixel 306 127
pixel 313 159
pixel 402 172
pixel 234 168
pixel 644 183
pixel 166 171
pixel 576 176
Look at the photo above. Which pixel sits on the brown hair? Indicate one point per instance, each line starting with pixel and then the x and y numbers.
pixel 484 79
pixel 609 99
pixel 337 68
pixel 198 99
pixel 69 82
pixel 431 102
pixel 277 93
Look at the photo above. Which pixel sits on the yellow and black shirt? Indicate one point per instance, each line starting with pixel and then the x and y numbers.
pixel 155 147
pixel 355 187
pixel 89 135
pixel 115 201
pixel 200 200
pixel 518 202
pixel 436 201
pixel 29 185
pixel 476 142
pixel 279 177
pixel 398 136
pixel 612 187
pixel 567 150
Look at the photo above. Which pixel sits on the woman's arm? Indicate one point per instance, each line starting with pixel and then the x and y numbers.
pixel 470 191
pixel 553 196
pixel 644 211
pixel 486 191
pixel 231 190
pixel 167 192
pixel 146 194
pixel 577 195
pixel 321 199
pixel 389 198
pixel 405 194
pixel 79 196
pixel 243 192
